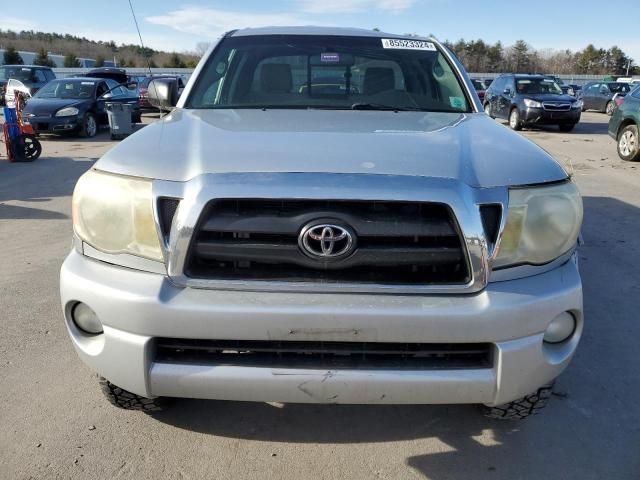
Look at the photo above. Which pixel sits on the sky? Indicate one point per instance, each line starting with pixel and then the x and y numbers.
pixel 174 25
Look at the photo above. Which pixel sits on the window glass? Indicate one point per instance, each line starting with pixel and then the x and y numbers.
pixel 333 72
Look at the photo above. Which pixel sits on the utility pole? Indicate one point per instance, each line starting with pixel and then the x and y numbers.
pixel 628 66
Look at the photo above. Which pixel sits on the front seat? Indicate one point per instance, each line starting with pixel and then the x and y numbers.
pixel 276 78
pixel 378 79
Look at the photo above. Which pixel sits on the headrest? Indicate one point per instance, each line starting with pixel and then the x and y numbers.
pixel 276 78
pixel 378 79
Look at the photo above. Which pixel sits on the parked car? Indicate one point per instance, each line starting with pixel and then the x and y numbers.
pixel 624 125
pixel 27 79
pixel 600 95
pixel 480 87
pixel 266 244
pixel 76 105
pixel 117 74
pixel 527 100
pixel 144 85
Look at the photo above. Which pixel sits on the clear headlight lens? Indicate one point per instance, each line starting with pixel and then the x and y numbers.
pixel 532 103
pixel 542 224
pixel 577 104
pixel 67 112
pixel 114 214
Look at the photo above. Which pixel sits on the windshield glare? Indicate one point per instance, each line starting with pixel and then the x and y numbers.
pixel 328 72
pixel 73 89
pixel 533 86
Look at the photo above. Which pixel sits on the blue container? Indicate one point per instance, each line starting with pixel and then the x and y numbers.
pixel 11 119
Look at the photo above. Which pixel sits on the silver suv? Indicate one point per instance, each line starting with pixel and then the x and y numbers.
pixel 326 216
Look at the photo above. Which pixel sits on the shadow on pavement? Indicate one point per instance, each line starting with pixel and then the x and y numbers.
pixel 36 182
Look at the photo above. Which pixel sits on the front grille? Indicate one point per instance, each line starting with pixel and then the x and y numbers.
pixel 397 243
pixel 556 107
pixel 323 355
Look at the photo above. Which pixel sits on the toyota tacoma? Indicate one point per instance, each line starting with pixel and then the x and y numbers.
pixel 326 216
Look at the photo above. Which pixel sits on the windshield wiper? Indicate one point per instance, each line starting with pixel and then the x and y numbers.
pixel 377 106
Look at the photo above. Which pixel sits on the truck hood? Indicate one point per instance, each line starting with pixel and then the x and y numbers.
pixel 470 148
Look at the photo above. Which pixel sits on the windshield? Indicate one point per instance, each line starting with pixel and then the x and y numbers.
pixel 533 86
pixel 619 87
pixel 74 89
pixel 17 73
pixel 328 72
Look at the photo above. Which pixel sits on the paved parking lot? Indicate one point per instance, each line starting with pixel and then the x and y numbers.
pixel 54 422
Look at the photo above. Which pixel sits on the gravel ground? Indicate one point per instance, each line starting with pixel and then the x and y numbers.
pixel 55 423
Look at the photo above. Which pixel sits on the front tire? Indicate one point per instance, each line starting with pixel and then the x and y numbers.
pixel 522 407
pixel 628 144
pixel 609 108
pixel 487 110
pixel 514 119
pixel 89 126
pixel 120 398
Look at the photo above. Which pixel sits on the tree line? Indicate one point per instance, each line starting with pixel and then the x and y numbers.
pixel 73 47
pixel 481 57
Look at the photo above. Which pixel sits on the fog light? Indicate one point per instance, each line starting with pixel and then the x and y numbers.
pixel 86 319
pixel 560 329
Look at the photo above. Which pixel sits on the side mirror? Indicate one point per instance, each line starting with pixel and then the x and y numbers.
pixel 163 93
pixel 507 91
pixel 132 85
pixel 106 96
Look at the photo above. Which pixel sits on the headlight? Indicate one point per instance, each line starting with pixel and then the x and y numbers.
pixel 577 104
pixel 532 103
pixel 542 224
pixel 114 214
pixel 67 112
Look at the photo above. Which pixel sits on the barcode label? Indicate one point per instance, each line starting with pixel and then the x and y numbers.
pixel 408 44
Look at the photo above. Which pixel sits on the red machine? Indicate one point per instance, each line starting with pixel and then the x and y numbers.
pixel 19 137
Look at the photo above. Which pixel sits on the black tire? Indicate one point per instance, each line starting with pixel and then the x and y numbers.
pixel 120 398
pixel 514 119
pixel 32 147
pixel 521 408
pixel 609 108
pixel 628 144
pixel 89 126
pixel 566 127
pixel 487 109
pixel 137 118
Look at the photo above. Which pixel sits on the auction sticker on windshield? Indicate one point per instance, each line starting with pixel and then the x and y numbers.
pixel 408 44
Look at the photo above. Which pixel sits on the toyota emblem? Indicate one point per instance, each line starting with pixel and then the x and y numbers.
pixel 326 241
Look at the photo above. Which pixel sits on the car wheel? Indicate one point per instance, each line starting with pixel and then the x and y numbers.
pixel 609 108
pixel 566 127
pixel 89 126
pixel 120 398
pixel 628 147
pixel 514 119
pixel 487 110
pixel 137 118
pixel 521 408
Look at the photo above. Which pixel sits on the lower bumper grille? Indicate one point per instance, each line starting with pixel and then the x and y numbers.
pixel 324 355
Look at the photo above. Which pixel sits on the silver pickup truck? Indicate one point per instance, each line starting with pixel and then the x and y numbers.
pixel 326 215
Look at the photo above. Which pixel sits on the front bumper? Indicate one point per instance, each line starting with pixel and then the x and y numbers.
pixel 55 124
pixel 540 116
pixel 136 306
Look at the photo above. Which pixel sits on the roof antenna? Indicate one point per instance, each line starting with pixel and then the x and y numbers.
pixel 135 20
pixel 144 51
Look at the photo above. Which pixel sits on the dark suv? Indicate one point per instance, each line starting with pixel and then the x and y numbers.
pixel 531 100
pixel 25 78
